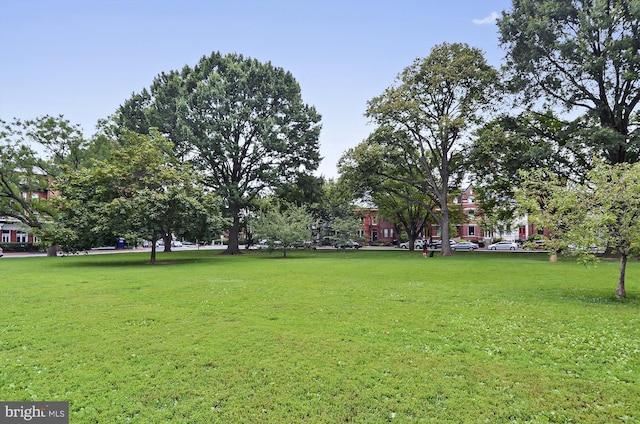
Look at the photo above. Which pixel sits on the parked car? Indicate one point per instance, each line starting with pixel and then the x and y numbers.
pixel 465 245
pixel 348 245
pixel 1 252
pixel 503 245
pixel 438 244
pixel 418 244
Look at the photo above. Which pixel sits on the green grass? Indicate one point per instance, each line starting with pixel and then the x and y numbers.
pixel 321 337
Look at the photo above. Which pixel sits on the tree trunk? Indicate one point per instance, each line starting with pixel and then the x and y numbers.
pixel 52 251
pixel 152 260
pixel 621 292
pixel 167 238
pixel 444 230
pixel 233 247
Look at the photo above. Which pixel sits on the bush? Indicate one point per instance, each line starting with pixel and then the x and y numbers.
pixel 20 247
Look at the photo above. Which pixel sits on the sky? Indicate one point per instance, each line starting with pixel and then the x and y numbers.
pixel 84 58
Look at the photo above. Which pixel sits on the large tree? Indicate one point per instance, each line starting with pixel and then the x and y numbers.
pixel 240 121
pixel 529 141
pixel 428 113
pixel 33 154
pixel 583 55
pixel 140 191
pixel 363 169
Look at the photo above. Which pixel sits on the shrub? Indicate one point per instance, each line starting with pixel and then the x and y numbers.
pixel 20 247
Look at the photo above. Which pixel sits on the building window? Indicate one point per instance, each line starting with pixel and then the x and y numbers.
pixel 471 213
pixel 472 230
pixel 374 220
pixel 21 237
pixel 386 233
pixel 6 236
pixel 360 233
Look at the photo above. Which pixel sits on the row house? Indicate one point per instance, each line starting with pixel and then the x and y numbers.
pixel 472 229
pixel 518 231
pixel 375 228
pixel 14 231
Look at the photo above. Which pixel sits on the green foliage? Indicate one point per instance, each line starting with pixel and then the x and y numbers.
pixel 140 190
pixel 344 230
pixel 23 180
pixel 504 146
pixel 241 122
pixel 284 224
pixel 602 212
pixel 63 143
pixel 364 169
pixel 423 119
pixel 582 55
pixel 373 338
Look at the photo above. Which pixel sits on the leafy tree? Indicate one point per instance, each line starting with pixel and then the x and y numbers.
pixel 542 198
pixel 140 190
pixel 582 55
pixel 508 144
pixel 361 168
pixel 425 116
pixel 602 211
pixel 344 230
pixel 286 225
pixel 32 154
pixel 336 201
pixel 241 122
pixel 63 143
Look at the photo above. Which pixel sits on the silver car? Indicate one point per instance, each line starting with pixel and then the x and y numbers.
pixel 465 245
pixel 503 245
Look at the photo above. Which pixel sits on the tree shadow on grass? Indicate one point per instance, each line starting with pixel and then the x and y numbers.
pixel 132 263
pixel 592 297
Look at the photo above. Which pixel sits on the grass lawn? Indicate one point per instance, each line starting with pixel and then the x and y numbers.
pixel 321 337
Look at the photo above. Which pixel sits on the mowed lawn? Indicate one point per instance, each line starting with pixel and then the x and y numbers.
pixel 321 337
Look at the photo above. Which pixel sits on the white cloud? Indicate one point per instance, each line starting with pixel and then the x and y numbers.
pixel 491 19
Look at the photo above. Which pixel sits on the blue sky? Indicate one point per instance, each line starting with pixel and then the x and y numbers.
pixel 84 58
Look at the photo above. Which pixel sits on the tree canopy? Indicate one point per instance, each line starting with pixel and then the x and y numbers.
pixel 286 225
pixel 363 169
pixel 140 191
pixel 241 122
pixel 426 115
pixel 32 154
pixel 601 212
pixel 583 55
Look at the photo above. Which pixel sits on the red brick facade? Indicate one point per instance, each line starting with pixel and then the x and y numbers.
pixel 375 229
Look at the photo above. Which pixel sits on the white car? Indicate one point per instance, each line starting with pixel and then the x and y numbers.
pixel 416 244
pixel 1 252
pixel 503 245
